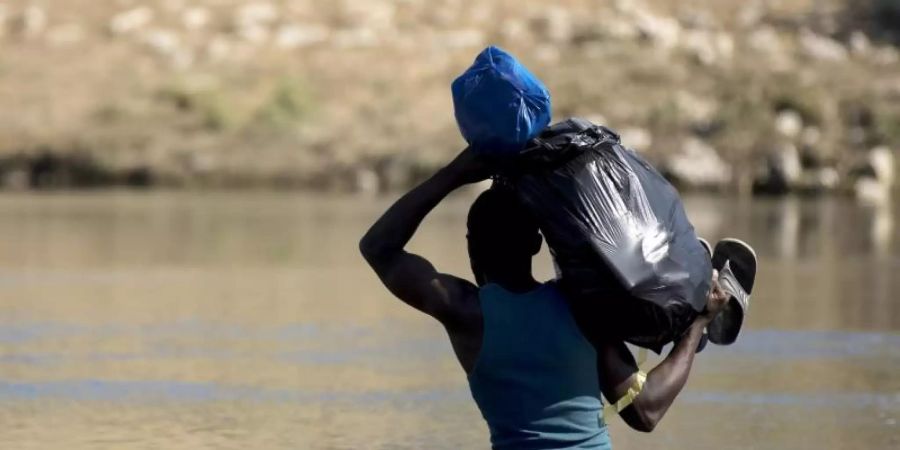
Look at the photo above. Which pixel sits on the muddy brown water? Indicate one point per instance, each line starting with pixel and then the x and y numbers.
pixel 248 321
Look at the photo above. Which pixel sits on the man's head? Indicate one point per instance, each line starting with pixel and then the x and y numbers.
pixel 502 236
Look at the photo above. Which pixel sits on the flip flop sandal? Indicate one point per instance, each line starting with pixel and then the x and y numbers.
pixel 706 246
pixel 736 263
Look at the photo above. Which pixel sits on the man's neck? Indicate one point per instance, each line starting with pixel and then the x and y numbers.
pixel 518 283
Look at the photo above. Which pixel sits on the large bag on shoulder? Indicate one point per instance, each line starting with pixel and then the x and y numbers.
pixel 627 255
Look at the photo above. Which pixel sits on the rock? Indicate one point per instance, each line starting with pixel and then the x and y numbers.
pixel 293 36
pixel 868 190
pixel 465 38
pixel 859 43
pixel 131 20
pixel 65 35
pixel 829 177
pixel 164 42
pixel 699 45
pixel 374 14
pixel 707 47
pixel 636 138
pixel 252 21
pixel 810 136
pixel 817 181
pixel 695 109
pixel 621 29
pixel 167 43
pixel 885 56
pixel 442 17
pixel 698 20
pixel 662 31
pixel 547 54
pixel 789 123
pixel 783 171
pixel 366 181
pixel 255 14
pixel 751 13
pixel 253 34
pixel 219 48
pixel 698 165
pixel 874 176
pixel 480 14
pixel 31 22
pixel 881 160
pixel 198 163
pixel 628 7
pixel 394 172
pixel 786 161
pixel 355 38
pixel 820 47
pixel 16 179
pixel 195 18
pixel 183 58
pixel 765 40
pixel 826 178
pixel 515 30
pixel 724 45
pixel 554 24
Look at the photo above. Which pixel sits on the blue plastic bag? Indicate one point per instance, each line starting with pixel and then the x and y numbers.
pixel 499 104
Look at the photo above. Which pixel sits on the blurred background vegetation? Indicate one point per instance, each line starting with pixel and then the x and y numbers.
pixel 761 96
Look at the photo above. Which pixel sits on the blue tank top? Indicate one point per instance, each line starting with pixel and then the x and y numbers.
pixel 535 379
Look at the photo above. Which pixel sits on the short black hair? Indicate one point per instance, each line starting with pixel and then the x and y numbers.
pixel 498 218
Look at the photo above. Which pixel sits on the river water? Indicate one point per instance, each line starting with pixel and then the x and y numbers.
pixel 248 321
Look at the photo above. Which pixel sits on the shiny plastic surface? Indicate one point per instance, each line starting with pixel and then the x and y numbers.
pixel 617 230
pixel 499 104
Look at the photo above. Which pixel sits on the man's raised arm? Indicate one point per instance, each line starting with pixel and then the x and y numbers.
pixel 408 276
pixel 644 399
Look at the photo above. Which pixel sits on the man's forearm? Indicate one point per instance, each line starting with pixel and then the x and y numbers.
pixel 666 380
pixel 398 224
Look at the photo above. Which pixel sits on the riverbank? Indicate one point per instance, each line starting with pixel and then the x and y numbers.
pixel 766 97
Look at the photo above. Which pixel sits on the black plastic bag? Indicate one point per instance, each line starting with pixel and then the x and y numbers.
pixel 627 255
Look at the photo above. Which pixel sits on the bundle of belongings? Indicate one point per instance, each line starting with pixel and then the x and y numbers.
pixel 628 258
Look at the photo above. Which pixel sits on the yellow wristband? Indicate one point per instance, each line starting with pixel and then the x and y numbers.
pixel 639 379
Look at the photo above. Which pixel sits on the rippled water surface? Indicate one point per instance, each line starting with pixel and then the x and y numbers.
pixel 198 320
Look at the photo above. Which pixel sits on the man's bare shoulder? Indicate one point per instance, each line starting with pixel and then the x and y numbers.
pixel 464 308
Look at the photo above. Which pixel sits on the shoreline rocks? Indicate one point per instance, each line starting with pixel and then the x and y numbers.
pixel 707 94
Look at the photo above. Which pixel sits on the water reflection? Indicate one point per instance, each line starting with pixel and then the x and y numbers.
pixel 249 321
pixel 793 228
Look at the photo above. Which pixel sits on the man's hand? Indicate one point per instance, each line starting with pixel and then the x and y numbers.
pixel 618 370
pixel 716 300
pixel 468 167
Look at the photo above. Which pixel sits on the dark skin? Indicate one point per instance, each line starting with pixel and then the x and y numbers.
pixel 454 301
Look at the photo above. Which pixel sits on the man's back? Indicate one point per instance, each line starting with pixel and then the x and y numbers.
pixel 535 379
pixel 532 371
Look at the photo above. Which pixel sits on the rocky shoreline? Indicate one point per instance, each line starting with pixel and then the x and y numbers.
pixel 756 97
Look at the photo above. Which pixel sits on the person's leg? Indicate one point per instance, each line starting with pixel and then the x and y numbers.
pixel 705 338
pixel 706 246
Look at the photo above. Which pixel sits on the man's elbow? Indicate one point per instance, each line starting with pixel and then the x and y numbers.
pixel 641 419
pixel 368 248
pixel 375 252
pixel 646 426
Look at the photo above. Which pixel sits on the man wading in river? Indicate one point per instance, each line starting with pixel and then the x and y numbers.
pixel 535 376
